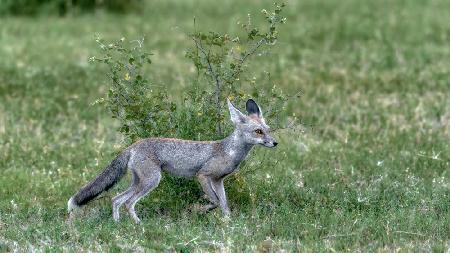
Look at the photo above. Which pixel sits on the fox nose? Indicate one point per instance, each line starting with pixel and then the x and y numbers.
pixel 275 143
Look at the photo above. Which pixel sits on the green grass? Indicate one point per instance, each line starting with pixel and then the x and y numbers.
pixel 372 174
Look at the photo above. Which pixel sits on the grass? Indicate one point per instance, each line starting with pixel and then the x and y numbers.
pixel 371 174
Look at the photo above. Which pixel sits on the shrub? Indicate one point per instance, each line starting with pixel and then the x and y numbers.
pixel 142 109
pixel 145 110
pixel 63 7
pixel 222 59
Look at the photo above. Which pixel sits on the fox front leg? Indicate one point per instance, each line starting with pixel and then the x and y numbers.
pixel 211 178
pixel 207 187
pixel 219 190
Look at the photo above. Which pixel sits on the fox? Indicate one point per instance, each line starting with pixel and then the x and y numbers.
pixel 208 161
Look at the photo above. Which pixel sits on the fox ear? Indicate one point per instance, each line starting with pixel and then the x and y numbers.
pixel 253 108
pixel 236 115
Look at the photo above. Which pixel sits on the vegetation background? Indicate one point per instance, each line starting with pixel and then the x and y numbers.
pixel 370 171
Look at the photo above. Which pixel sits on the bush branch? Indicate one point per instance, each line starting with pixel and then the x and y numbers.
pixel 215 77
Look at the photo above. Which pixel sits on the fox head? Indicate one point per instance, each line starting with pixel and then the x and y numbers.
pixel 252 128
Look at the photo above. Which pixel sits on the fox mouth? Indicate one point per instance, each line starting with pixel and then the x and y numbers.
pixel 270 144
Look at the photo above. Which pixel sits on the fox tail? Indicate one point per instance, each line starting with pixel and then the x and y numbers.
pixel 107 179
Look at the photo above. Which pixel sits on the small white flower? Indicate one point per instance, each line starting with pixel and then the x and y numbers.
pixel 13 204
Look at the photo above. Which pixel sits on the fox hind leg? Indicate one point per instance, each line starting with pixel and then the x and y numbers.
pixel 149 177
pixel 124 196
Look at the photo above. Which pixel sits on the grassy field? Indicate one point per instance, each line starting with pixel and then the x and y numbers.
pixel 371 174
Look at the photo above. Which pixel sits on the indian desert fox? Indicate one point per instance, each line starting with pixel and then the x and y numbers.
pixel 209 161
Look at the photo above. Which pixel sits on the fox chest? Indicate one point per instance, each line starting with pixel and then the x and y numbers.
pixel 222 167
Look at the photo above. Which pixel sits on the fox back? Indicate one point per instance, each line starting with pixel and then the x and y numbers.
pixel 186 158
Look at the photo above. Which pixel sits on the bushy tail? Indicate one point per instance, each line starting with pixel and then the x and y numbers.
pixel 108 178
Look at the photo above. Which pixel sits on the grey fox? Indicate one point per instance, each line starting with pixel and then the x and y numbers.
pixel 209 161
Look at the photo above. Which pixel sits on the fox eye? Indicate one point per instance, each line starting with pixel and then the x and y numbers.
pixel 258 131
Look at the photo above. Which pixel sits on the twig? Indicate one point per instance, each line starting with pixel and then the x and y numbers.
pixel 289 125
pixel 244 58
pixel 215 76
pixel 193 239
pixel 253 50
pixel 433 157
pixel 336 236
pixel 409 233
pixel 120 87
pixel 287 99
pixel 140 42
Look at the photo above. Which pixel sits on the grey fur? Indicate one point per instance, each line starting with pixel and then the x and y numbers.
pixel 209 161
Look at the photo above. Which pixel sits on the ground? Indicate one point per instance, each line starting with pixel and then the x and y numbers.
pixel 370 171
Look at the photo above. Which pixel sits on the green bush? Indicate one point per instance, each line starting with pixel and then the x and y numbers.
pixel 221 60
pixel 63 7
pixel 144 109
